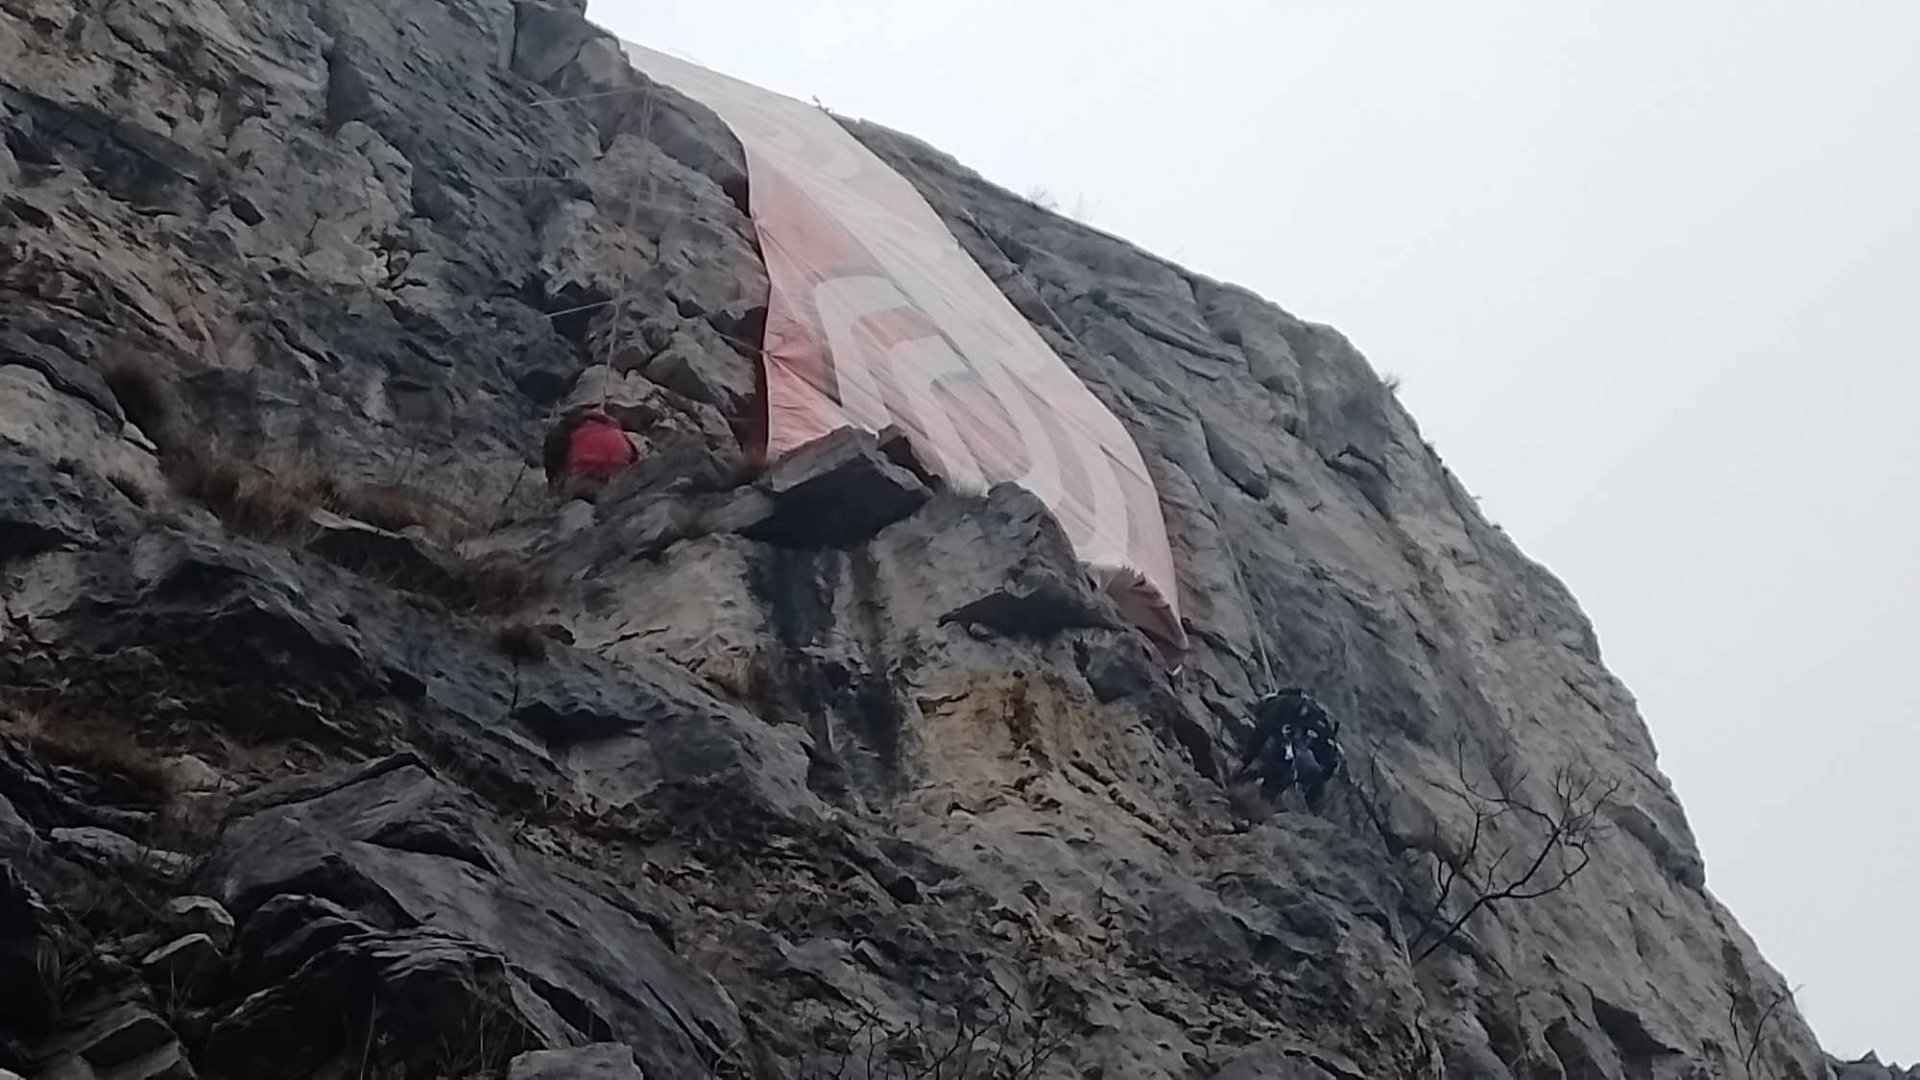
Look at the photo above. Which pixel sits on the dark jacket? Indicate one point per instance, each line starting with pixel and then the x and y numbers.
pixel 1283 718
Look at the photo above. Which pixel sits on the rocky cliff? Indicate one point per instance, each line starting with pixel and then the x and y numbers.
pixel 335 745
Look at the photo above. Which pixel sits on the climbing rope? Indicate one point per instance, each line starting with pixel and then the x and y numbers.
pixel 1253 609
pixel 1347 681
pixel 620 295
pixel 634 196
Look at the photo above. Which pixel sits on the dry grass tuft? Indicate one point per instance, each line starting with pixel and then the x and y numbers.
pixel 397 508
pixel 102 746
pixel 275 503
pixel 144 396
pixel 493 583
pixel 521 642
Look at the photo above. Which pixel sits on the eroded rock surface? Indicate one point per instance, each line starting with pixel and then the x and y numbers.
pixel 795 775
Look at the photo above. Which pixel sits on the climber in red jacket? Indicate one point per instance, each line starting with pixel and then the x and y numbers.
pixel 583 456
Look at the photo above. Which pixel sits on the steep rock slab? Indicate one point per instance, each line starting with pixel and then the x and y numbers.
pixel 601 1061
pixel 40 508
pixel 356 234
pixel 411 850
pixel 999 562
pixel 427 1001
pixel 837 490
pixel 292 647
pixel 1367 572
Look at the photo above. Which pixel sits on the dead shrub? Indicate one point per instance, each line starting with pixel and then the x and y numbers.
pixel 1564 829
pixel 205 475
pixel 976 1041
pixel 277 505
pixel 146 398
pixel 521 642
pixel 92 912
pixel 265 502
pixel 492 583
pixel 397 508
pixel 104 747
pixel 271 503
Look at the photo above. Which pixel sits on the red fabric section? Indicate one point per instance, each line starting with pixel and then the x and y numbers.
pixel 877 317
pixel 598 446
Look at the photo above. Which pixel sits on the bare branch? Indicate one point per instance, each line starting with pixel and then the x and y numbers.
pixel 1570 823
pixel 941 1047
pixel 1760 1025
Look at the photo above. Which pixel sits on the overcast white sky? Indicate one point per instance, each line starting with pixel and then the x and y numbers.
pixel 1649 273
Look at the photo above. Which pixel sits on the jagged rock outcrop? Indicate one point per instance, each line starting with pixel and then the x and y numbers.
pixel 1870 1068
pixel 704 778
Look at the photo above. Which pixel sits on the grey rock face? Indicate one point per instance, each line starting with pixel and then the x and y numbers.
pixel 358 544
pixel 837 490
pixel 33 517
pixel 1870 1068
pixel 112 851
pixel 1021 576
pixel 546 38
pixel 436 997
pixel 601 1061
pixel 24 950
pixel 769 773
pixel 201 915
pixel 16 836
pixel 120 1035
pixel 183 961
pixel 163 1063
pixel 187 773
pixel 585 962
pixel 703 368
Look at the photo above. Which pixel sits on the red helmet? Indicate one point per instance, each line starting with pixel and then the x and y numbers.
pixel 598 444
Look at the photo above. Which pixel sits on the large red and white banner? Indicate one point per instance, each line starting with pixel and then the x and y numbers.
pixel 878 316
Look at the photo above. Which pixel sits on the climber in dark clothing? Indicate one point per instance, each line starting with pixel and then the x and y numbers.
pixel 1317 759
pixel 1294 741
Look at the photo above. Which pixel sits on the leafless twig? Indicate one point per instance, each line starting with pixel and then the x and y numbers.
pixel 1571 822
pixel 1022 1042
pixel 1760 1025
